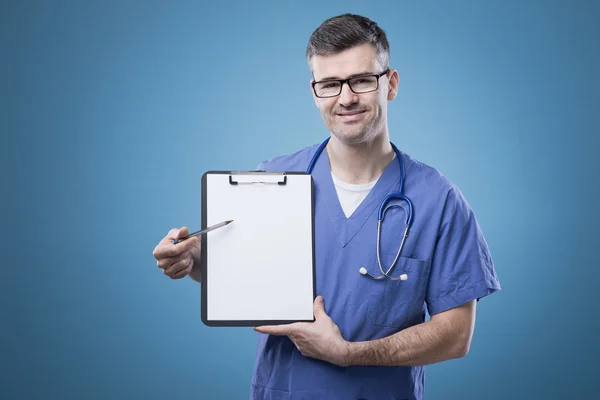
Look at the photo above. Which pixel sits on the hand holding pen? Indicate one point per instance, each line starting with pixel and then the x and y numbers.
pixel 178 253
pixel 202 232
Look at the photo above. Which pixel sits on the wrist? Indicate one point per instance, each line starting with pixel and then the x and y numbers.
pixel 346 354
pixel 195 273
pixel 196 255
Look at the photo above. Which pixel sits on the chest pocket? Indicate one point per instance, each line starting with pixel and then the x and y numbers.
pixel 402 302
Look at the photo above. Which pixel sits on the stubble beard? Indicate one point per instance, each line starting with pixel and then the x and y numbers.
pixel 353 133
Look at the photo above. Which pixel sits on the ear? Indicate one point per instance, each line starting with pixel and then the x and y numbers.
pixel 394 81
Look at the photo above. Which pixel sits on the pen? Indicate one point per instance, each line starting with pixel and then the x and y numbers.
pixel 202 232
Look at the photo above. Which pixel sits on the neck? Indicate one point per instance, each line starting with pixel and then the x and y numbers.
pixel 359 163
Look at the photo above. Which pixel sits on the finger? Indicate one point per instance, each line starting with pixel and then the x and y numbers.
pixel 191 247
pixel 166 262
pixel 166 248
pixel 179 266
pixel 182 273
pixel 172 234
pixel 273 330
pixel 177 233
pixel 279 330
pixel 187 243
pixel 181 233
pixel 319 307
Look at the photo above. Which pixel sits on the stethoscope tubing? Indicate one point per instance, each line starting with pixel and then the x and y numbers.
pixel 380 215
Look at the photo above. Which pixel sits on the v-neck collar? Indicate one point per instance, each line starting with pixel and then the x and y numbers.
pixel 347 228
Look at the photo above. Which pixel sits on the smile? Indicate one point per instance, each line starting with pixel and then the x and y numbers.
pixel 355 115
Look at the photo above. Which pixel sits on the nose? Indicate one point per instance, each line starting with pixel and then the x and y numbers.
pixel 347 96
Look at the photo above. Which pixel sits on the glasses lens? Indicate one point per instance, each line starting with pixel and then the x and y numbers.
pixel 326 89
pixel 364 84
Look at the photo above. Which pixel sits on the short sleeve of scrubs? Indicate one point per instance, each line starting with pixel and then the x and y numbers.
pixel 461 267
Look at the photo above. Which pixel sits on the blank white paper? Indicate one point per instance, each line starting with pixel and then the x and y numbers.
pixel 259 267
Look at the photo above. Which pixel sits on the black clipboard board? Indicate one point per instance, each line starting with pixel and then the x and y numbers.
pixel 231 193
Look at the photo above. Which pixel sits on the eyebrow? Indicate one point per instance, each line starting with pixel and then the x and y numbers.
pixel 335 78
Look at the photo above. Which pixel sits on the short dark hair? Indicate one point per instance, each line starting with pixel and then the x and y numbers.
pixel 346 31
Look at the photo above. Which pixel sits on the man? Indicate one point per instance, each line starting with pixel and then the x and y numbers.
pixel 369 340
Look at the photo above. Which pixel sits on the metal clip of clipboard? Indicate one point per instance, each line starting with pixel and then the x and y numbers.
pixel 257 172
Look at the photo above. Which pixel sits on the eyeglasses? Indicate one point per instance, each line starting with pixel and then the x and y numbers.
pixel 358 84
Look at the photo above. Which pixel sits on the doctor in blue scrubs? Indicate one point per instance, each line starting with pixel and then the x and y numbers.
pixel 370 339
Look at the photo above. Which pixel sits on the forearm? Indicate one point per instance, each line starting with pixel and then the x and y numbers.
pixel 426 343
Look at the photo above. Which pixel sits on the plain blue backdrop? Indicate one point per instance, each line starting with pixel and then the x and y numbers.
pixel 112 111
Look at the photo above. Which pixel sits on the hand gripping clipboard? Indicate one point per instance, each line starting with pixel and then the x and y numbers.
pixel 260 269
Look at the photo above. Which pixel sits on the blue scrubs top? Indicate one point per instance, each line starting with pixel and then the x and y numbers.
pixel 445 257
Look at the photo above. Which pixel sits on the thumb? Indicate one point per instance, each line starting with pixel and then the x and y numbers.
pixel 319 306
pixel 183 232
pixel 177 233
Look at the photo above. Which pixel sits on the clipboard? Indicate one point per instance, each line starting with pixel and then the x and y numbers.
pixel 259 269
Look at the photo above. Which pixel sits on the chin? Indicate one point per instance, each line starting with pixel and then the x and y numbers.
pixel 356 133
pixel 351 134
pixel 351 137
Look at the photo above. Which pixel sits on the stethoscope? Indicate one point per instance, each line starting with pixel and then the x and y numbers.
pixel 381 214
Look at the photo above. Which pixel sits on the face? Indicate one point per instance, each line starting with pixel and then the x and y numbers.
pixel 351 117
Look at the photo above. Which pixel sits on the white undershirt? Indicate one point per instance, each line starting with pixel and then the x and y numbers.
pixel 351 195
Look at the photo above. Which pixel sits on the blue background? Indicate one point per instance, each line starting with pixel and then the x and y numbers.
pixel 111 112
